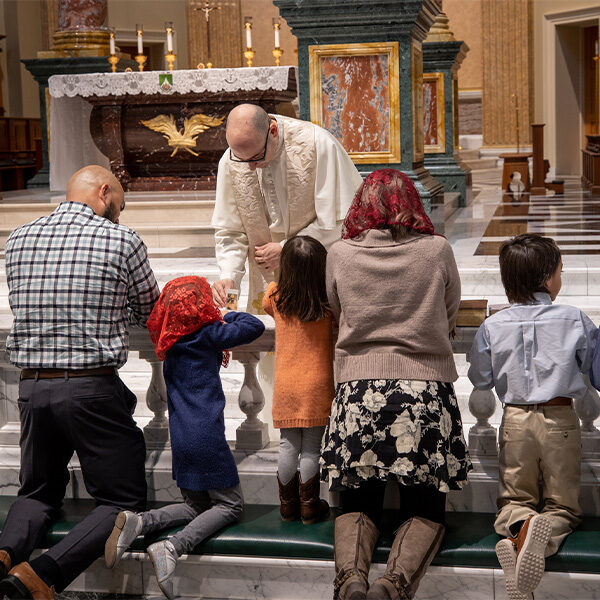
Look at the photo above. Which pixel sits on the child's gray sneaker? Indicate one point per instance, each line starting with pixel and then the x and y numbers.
pixel 164 559
pixel 128 525
pixel 506 551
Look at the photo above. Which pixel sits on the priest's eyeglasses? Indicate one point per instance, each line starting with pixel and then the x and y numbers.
pixel 256 157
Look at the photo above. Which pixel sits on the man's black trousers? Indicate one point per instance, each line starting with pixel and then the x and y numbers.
pixel 91 416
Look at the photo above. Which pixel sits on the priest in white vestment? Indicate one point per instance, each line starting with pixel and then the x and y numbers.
pixel 279 177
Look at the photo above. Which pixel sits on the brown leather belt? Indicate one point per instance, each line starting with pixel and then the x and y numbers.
pixel 59 373
pixel 558 401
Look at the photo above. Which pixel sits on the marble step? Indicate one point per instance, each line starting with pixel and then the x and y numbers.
pixel 138 212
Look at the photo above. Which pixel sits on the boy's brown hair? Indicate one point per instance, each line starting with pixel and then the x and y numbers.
pixel 527 261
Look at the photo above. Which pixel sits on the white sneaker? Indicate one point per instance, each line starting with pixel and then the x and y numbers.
pixel 164 559
pixel 128 525
pixel 531 557
pixel 507 557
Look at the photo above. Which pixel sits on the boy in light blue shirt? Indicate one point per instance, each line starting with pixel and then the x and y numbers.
pixel 534 354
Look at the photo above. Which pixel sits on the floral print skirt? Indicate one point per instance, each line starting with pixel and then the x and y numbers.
pixel 408 430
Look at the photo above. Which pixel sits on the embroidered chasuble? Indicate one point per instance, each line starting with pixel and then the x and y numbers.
pixel 306 189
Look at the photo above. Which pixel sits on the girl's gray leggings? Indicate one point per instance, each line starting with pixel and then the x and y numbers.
pixel 303 443
pixel 202 513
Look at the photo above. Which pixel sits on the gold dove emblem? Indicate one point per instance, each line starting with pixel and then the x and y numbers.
pixel 192 128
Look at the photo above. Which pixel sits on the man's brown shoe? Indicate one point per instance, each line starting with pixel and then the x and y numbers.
pixel 4 563
pixel 23 583
pixel 531 552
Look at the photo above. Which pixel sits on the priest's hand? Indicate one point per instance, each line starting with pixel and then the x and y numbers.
pixel 267 256
pixel 219 290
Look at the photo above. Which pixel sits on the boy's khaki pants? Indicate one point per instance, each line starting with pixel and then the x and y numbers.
pixel 539 442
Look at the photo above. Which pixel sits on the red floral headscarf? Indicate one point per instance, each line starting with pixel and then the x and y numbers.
pixel 386 197
pixel 184 306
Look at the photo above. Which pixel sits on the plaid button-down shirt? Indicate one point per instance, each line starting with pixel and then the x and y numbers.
pixel 75 280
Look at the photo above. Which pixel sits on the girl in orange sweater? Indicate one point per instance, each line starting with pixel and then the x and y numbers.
pixel 303 387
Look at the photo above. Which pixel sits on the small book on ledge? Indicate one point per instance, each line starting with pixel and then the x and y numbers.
pixel 471 313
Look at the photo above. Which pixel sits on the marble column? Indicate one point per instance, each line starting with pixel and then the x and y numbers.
pixel 346 24
pixel 81 29
pixel 507 72
pixel 442 57
pixel 80 46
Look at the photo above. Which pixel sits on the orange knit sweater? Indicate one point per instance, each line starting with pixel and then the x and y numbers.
pixel 303 388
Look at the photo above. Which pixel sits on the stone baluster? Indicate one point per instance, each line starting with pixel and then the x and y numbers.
pixel 482 436
pixel 156 431
pixel 252 434
pixel 588 410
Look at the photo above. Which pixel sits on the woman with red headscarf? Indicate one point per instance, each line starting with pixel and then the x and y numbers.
pixel 394 288
pixel 192 337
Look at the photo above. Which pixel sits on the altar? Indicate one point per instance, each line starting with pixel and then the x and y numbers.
pixel 155 130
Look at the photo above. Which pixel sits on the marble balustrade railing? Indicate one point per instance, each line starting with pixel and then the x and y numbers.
pixel 251 434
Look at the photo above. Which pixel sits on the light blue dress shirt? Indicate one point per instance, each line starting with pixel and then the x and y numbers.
pixel 532 353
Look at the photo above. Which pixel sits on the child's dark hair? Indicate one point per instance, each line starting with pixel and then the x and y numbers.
pixel 301 287
pixel 527 261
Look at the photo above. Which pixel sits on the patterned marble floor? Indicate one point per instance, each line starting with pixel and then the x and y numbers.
pixel 477 231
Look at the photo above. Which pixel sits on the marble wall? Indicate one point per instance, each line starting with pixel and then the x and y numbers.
pixel 356 101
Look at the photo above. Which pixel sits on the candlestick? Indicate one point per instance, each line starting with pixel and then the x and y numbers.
pixel 111 40
pixel 170 58
pixel 113 59
pixel 277 52
pixel 140 41
pixel 248 26
pixel 169 29
pixel 276 28
pixel 141 60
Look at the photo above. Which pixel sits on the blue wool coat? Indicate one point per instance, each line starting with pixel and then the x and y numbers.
pixel 202 459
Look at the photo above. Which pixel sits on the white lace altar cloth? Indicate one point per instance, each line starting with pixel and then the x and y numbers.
pixel 195 81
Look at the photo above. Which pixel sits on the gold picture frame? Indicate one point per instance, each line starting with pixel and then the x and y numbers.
pixel 318 54
pixel 440 146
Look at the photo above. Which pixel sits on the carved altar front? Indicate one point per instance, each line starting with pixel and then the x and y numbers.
pixel 163 130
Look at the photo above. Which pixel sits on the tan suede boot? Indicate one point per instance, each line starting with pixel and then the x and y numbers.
pixel 312 508
pixel 354 540
pixel 289 499
pixel 416 543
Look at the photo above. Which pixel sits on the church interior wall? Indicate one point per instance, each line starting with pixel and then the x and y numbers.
pixel 152 14
pixel 558 79
pixel 262 14
pixel 465 22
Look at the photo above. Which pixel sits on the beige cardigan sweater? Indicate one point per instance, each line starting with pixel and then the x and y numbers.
pixel 396 303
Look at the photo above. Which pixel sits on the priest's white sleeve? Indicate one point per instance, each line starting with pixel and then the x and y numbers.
pixel 231 241
pixel 336 182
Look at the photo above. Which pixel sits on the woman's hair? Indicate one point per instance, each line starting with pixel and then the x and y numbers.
pixel 387 199
pixel 301 290
pixel 527 261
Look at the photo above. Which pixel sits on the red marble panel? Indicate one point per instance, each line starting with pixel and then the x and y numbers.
pixel 430 113
pixel 356 101
pixel 81 14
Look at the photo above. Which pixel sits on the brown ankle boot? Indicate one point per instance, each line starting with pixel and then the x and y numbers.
pixel 4 563
pixel 354 540
pixel 289 499
pixel 416 543
pixel 312 508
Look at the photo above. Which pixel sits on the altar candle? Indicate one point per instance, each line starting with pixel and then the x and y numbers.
pixel 169 27
pixel 111 42
pixel 140 41
pixel 596 48
pixel 248 24
pixel 276 32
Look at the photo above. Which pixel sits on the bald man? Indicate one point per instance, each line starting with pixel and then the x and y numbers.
pixel 280 177
pixel 76 279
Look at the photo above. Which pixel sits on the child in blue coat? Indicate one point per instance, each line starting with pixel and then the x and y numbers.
pixel 191 336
